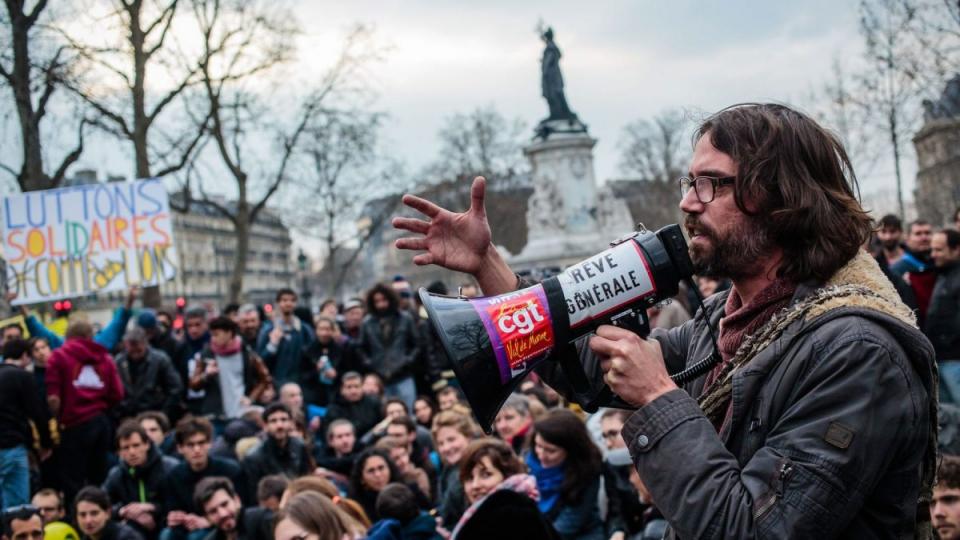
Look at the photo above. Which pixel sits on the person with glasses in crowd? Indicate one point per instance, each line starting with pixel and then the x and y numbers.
pixel 823 387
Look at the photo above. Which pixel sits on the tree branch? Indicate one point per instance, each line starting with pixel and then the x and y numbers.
pixel 70 158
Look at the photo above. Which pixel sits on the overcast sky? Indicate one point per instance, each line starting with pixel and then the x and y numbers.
pixel 622 60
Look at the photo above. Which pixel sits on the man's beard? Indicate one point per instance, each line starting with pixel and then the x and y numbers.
pixel 739 253
pixel 891 244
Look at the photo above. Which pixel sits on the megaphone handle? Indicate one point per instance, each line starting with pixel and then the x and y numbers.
pixel 570 361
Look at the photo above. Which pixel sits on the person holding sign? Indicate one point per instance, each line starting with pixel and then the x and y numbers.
pixel 109 337
pixel 821 419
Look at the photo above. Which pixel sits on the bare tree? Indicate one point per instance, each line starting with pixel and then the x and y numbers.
pixel 892 81
pixel 936 28
pixel 124 66
pixel 841 107
pixel 344 170
pixel 656 150
pixel 480 143
pixel 243 43
pixel 33 82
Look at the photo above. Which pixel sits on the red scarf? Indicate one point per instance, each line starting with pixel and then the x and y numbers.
pixel 230 349
pixel 741 321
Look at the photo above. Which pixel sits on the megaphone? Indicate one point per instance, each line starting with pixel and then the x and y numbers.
pixel 494 342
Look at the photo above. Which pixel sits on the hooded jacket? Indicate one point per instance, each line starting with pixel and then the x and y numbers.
pixel 143 484
pixel 833 424
pixel 84 377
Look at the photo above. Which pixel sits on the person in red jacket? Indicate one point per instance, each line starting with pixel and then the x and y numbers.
pixel 82 385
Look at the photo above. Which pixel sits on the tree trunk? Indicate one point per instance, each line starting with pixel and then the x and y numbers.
pixel 241 228
pixel 31 176
pixel 895 142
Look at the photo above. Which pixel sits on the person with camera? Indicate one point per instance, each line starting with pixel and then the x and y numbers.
pixel 820 418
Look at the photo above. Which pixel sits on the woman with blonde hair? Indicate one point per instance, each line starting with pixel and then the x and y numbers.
pixel 452 432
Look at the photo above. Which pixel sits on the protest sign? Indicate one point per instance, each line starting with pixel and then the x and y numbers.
pixel 68 242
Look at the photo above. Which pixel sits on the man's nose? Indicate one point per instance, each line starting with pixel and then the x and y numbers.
pixel 690 203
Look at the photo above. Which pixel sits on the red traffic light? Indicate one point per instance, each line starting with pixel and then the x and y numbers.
pixel 67 305
pixel 181 302
pixel 268 308
pixel 58 306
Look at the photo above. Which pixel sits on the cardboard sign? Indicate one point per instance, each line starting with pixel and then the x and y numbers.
pixel 520 328
pixel 69 242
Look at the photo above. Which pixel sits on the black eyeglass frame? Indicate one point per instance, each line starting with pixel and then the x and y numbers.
pixel 687 182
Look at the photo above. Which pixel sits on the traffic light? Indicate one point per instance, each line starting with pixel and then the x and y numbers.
pixel 268 309
pixel 181 303
pixel 62 308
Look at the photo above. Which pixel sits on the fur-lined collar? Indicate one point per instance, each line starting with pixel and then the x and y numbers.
pixel 864 273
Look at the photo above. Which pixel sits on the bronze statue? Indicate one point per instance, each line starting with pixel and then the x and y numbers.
pixel 552 80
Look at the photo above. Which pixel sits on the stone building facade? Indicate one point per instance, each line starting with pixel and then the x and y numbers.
pixel 938 157
pixel 205 246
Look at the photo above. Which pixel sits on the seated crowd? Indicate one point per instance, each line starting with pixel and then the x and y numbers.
pixel 344 424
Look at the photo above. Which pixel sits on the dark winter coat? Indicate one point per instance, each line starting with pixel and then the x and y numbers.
pixel 943 317
pixel 268 458
pixel 182 480
pixel 144 484
pixel 21 403
pixel 389 345
pixel 116 531
pixel 833 425
pixel 364 414
pixel 158 387
pixel 316 391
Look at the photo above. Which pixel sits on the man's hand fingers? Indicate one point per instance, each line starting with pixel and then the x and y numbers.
pixel 411 224
pixel 603 346
pixel 423 259
pixel 411 242
pixel 477 191
pixel 423 206
pixel 609 331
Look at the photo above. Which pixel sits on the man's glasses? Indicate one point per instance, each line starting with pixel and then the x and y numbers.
pixel 704 186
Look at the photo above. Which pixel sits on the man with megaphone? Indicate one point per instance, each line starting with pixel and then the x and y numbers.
pixel 820 418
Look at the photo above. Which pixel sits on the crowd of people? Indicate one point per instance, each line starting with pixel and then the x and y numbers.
pixel 345 421
pixel 349 422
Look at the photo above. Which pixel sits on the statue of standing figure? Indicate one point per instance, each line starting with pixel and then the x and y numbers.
pixel 552 80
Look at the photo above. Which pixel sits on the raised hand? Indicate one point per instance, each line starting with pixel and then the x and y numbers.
pixel 457 241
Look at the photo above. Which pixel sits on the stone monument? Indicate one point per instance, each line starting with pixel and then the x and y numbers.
pixel 938 157
pixel 568 217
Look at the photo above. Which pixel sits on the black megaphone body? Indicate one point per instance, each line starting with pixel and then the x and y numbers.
pixel 494 342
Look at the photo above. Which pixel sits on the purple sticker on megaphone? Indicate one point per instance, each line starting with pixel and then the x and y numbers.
pixel 520 329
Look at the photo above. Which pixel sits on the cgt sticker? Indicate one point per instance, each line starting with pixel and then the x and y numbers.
pixel 520 329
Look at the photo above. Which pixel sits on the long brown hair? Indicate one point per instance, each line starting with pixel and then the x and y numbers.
pixel 316 514
pixel 561 427
pixel 795 177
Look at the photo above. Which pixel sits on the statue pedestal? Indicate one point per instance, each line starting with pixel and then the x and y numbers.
pixel 568 217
